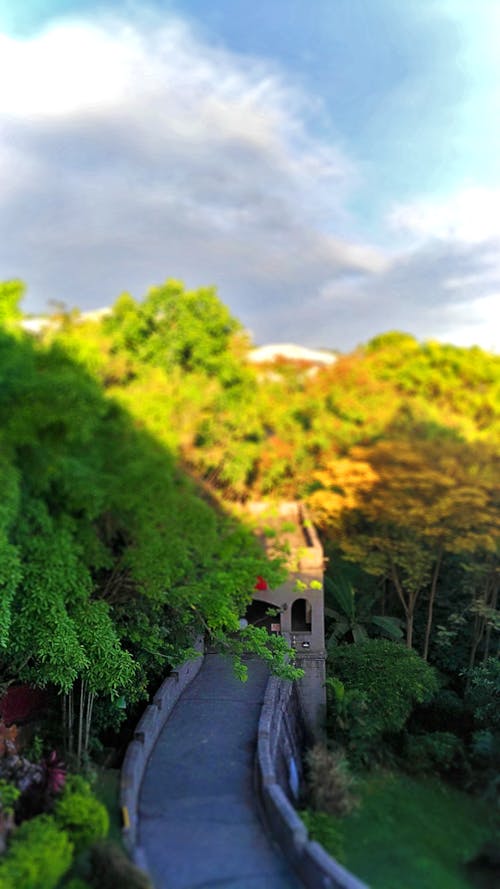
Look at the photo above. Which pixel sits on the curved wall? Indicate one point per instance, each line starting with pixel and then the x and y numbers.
pixel 278 773
pixel 280 743
pixel 138 751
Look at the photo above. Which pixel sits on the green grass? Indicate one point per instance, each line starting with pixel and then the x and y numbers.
pixel 413 833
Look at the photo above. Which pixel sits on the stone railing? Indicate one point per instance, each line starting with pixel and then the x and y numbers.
pixel 138 751
pixel 279 774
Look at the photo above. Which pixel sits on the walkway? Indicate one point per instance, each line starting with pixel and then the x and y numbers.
pixel 198 816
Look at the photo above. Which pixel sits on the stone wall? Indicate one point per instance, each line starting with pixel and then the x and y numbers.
pixel 279 776
pixel 138 751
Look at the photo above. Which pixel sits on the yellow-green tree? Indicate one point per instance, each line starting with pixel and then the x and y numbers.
pixel 398 506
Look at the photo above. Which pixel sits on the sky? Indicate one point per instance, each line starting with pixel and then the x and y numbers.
pixel 331 166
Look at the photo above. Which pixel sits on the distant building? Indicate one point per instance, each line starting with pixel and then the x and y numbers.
pixel 299 601
pixel 38 325
pixel 290 352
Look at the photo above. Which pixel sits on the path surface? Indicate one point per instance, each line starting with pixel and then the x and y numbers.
pixel 198 817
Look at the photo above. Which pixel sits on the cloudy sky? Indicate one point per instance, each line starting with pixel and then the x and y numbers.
pixel 332 166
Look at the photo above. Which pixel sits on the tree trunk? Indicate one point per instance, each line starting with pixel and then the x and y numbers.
pixel 409 627
pixel 70 722
pixel 64 701
pixel 80 724
pixel 430 611
pixel 493 605
pixel 406 605
pixel 477 635
pixel 88 721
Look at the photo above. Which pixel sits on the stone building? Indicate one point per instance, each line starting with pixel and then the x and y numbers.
pixel 286 529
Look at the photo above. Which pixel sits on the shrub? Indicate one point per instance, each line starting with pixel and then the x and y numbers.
pixel 9 794
pixel 324 829
pixel 81 814
pixel 483 694
pixel 485 756
pixel 330 782
pixel 483 699
pixel 111 869
pixel 434 751
pixel 446 709
pixel 390 677
pixel 346 710
pixel 38 856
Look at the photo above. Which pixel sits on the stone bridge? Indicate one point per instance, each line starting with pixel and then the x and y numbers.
pixel 209 782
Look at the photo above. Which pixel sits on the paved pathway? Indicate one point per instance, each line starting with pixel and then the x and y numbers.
pixel 198 816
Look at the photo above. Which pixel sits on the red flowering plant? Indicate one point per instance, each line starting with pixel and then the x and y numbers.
pixel 55 773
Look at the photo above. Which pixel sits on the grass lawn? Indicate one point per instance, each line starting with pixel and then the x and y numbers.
pixel 413 833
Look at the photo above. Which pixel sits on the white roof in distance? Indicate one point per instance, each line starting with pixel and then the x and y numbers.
pixel 290 352
pixel 36 325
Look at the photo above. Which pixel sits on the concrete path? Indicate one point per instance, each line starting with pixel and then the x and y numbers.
pixel 199 821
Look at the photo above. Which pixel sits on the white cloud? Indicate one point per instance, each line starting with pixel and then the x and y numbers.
pixel 131 153
pixel 470 215
pixel 149 140
pixel 477 323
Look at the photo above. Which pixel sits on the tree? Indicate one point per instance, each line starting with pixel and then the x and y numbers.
pixel 352 620
pixel 10 560
pixel 398 506
pixel 390 678
pixel 11 294
pixel 173 327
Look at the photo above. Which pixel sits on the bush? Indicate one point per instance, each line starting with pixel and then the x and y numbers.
pixel 9 794
pixel 391 679
pixel 483 694
pixel 111 869
pixel 485 756
pixel 330 783
pixel 446 709
pixel 324 830
pixel 39 855
pixel 81 814
pixel 434 751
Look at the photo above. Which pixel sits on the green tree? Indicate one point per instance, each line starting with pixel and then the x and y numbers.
pixel 351 621
pixel 398 506
pixel 373 687
pixel 11 294
pixel 173 327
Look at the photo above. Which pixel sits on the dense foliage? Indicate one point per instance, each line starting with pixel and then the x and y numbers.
pixel 122 560
pixel 376 686
pixel 39 855
pixel 124 442
pixel 395 446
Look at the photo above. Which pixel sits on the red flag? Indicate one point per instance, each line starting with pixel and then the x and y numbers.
pixel 261 583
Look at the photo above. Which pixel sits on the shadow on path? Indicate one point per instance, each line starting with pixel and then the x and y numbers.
pixel 199 819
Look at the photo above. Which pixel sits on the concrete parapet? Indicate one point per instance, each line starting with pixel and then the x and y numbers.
pixel 319 870
pixel 148 727
pixel 278 775
pixel 289 831
pixel 139 750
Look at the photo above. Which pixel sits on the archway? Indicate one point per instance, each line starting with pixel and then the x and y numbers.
pixel 256 614
pixel 301 616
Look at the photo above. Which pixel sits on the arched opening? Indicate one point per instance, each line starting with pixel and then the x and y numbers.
pixel 256 613
pixel 301 616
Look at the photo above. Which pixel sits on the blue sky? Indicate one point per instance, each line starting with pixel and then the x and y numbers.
pixel 333 166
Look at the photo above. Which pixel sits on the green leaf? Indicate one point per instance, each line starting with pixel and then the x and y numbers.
pixel 392 626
